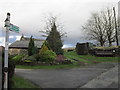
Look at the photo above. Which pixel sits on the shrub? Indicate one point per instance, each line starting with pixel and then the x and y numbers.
pixel 54 40
pixel 29 59
pixel 36 56
pixel 46 43
pixel 31 46
pixel 43 49
pixel 35 50
pixel 48 56
pixel 67 62
pixel 60 58
pixel 18 58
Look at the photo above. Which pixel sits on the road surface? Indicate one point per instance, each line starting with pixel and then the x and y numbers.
pixel 69 78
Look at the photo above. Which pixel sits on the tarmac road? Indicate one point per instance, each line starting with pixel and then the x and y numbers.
pixel 68 78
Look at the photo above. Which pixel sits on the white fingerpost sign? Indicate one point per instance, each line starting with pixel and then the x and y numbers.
pixel 7 25
pixel 14 28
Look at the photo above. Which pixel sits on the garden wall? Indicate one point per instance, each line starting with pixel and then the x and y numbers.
pixel 17 51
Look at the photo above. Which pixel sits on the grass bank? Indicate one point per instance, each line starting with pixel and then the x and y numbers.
pixel 90 58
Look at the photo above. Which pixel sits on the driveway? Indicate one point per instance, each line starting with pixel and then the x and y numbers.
pixel 65 78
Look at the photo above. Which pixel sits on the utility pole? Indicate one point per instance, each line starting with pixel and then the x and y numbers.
pixel 116 29
pixel 7 25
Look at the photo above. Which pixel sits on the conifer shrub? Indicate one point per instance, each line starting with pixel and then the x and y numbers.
pixel 54 40
pixel 43 49
pixel 46 44
pixel 32 49
pixel 35 50
pixel 48 56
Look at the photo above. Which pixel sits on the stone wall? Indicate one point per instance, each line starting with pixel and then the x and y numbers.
pixel 82 48
pixel 17 51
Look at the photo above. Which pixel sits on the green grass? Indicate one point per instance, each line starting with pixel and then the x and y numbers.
pixel 89 59
pixel 111 47
pixel 72 55
pixel 20 82
pixel 48 67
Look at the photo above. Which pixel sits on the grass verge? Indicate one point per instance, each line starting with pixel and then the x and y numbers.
pixel 20 82
pixel 48 67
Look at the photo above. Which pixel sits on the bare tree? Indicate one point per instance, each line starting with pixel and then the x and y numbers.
pixel 116 28
pixel 95 29
pixel 49 24
pixel 108 22
pixel 103 27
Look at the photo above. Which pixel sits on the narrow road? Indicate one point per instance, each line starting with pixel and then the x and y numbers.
pixel 66 78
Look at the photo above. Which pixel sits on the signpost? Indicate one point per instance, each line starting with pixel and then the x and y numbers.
pixel 7 25
pixel 14 28
pixel 10 27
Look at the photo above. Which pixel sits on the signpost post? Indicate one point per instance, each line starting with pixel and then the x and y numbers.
pixel 10 27
pixel 7 25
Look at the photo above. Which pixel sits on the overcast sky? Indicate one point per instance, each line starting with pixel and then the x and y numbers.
pixel 30 16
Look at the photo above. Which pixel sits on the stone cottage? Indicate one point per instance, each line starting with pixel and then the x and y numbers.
pixel 21 46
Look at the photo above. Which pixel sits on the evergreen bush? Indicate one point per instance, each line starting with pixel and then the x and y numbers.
pixel 35 50
pixel 43 49
pixel 48 56
pixel 32 49
pixel 54 40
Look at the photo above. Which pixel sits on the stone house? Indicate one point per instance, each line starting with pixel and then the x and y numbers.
pixel 21 46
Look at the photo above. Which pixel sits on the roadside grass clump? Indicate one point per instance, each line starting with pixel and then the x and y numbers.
pixel 20 82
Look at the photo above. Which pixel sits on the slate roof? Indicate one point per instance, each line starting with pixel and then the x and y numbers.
pixel 23 44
